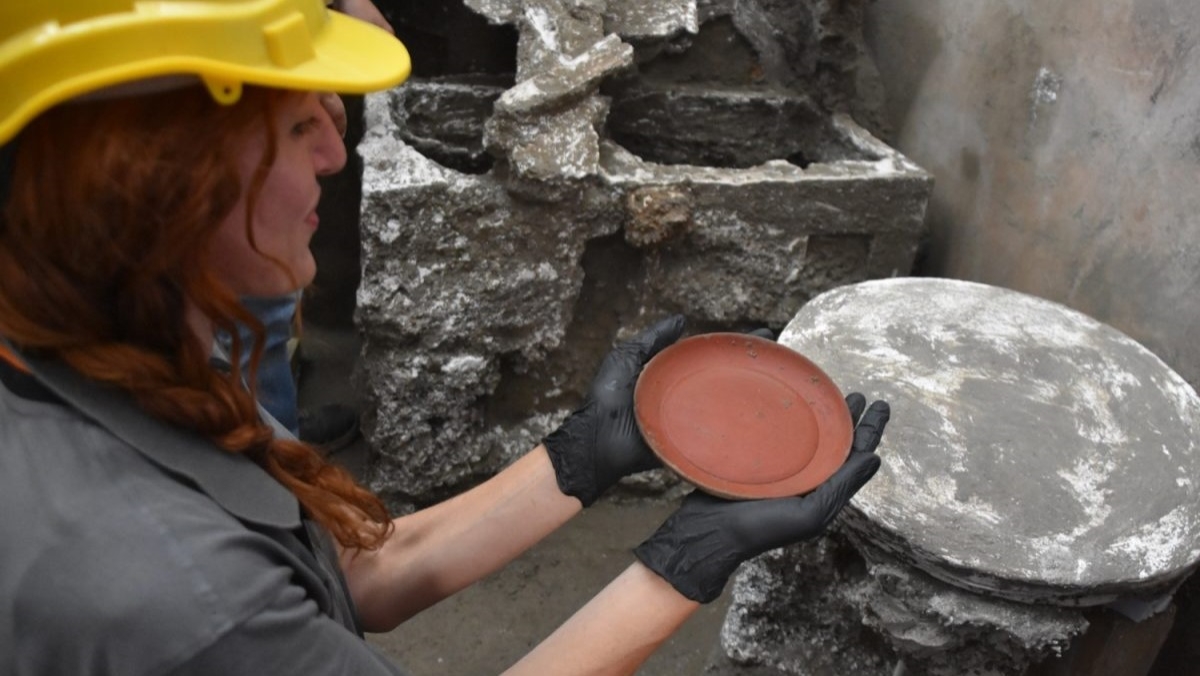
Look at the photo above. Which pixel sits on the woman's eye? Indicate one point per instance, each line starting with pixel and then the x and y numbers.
pixel 302 128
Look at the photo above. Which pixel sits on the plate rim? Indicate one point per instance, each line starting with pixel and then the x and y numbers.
pixel 798 483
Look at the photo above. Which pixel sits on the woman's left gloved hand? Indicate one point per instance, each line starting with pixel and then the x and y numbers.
pixel 701 545
pixel 600 442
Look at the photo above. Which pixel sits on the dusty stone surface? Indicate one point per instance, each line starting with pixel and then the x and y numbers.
pixel 652 19
pixel 567 81
pixel 508 240
pixel 465 281
pixel 658 213
pixel 1034 453
pixel 551 31
pixel 560 145
pixel 822 608
pixel 456 282
pixel 814 47
pixel 761 241
pixel 548 124
pixel 675 127
pixel 441 119
pixel 791 613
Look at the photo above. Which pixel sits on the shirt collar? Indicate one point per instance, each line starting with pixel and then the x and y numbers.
pixel 232 480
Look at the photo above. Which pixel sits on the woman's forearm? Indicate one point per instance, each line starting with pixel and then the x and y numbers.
pixel 615 632
pixel 447 547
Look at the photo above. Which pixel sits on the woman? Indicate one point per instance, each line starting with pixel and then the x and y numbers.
pixel 330 426
pixel 155 522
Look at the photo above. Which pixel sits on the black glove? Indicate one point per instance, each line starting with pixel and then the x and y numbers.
pixel 600 442
pixel 700 546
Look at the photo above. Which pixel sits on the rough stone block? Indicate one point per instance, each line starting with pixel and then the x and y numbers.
pixel 1041 456
pixel 1048 459
pixel 456 279
pixel 652 18
pixel 761 241
pixel 556 146
pixel 720 128
pixel 821 608
pixel 566 82
pixel 1113 646
pixel 442 119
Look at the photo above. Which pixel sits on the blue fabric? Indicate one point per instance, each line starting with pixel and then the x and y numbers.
pixel 276 387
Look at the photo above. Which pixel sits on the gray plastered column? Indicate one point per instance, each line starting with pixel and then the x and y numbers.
pixel 1038 464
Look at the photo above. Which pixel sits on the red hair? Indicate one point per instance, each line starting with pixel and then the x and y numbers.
pixel 103 245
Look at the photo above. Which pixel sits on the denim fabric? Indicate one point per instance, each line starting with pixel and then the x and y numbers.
pixel 276 387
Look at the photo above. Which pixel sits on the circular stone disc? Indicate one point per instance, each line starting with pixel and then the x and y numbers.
pixel 1033 452
pixel 742 417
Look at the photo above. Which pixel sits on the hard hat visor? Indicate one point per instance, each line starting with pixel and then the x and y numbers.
pixel 290 44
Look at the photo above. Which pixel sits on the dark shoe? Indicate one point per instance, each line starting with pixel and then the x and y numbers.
pixel 331 427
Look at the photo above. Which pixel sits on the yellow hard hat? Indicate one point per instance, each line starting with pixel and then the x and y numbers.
pixel 55 50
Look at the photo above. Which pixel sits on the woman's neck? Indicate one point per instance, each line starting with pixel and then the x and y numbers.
pixel 201 326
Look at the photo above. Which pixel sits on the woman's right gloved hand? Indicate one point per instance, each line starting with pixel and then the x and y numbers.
pixel 701 545
pixel 600 442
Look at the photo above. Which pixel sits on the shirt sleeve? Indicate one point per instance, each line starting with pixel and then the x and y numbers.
pixel 290 636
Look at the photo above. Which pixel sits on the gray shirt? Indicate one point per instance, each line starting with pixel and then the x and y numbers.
pixel 135 548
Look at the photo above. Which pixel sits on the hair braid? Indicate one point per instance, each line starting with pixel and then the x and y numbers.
pixel 103 247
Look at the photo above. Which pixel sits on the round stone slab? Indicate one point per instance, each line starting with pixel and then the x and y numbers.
pixel 1033 452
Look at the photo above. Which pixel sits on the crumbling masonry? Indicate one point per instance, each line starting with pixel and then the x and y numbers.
pixel 640 158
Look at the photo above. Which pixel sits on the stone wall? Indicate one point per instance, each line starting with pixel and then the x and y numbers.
pixel 824 608
pixel 640 159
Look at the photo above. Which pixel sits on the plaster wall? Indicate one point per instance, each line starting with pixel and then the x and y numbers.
pixel 1064 139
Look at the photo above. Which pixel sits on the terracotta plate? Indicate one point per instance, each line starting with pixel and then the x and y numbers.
pixel 742 417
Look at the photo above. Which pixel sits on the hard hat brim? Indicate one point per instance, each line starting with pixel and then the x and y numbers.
pixel 346 56
pixel 352 57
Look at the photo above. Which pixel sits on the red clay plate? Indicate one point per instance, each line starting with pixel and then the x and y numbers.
pixel 742 417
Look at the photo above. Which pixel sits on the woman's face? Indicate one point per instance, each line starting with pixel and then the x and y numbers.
pixel 285 212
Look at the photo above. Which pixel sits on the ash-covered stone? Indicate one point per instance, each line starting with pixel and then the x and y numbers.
pixel 557 146
pixel 652 18
pixel 657 213
pixel 567 81
pixel 761 241
pixel 1035 454
pixel 457 278
pixel 442 119
pixel 721 128
pixel 792 613
pixel 821 608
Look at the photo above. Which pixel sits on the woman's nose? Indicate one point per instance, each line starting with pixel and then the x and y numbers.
pixel 329 150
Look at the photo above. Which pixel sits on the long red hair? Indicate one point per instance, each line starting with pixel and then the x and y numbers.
pixel 103 244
